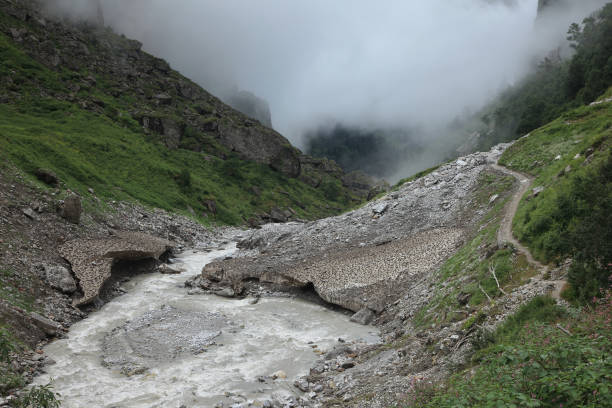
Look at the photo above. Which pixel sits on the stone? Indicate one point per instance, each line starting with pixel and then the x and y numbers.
pixel 170 270
pixel 493 198
pixel 71 209
pixel 227 293
pixel 380 208
pixel 28 212
pixel 364 316
pixel 558 157
pixel 278 215
pixel 50 327
pixel 348 364
pixel 301 384
pixel 60 278
pixel 318 388
pixel 47 177
pixel 461 163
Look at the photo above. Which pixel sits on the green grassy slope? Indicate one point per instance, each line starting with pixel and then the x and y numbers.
pixel 572 216
pixel 107 150
pixel 543 355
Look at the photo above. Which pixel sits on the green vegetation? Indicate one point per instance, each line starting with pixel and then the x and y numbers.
pixel 111 154
pixel 558 85
pixel 16 292
pixel 572 216
pixel 9 379
pixel 41 396
pixel 468 277
pixel 539 358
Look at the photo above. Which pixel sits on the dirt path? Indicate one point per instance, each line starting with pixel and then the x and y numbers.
pixel 505 229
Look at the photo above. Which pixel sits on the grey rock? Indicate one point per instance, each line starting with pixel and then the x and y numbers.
pixel 278 215
pixel 338 351
pixel 301 384
pixel 348 364
pixel 170 269
pixel 28 212
pixel 71 209
pixel 380 208
pixel 227 292
pixel 50 327
pixel 364 316
pixel 60 278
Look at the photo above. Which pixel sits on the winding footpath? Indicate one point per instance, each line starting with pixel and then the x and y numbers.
pixel 505 230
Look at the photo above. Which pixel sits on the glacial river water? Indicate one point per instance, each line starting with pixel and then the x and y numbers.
pixel 276 334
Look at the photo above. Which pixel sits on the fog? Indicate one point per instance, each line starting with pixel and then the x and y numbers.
pixel 387 64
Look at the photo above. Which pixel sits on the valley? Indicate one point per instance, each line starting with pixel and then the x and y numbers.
pixel 160 249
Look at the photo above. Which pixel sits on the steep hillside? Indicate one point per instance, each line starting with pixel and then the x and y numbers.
pixel 557 84
pixel 89 105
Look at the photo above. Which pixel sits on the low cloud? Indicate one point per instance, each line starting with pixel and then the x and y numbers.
pixel 388 64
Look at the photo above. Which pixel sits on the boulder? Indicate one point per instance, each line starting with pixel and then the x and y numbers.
pixel 227 293
pixel 71 209
pixel 28 212
pixel 278 215
pixel 170 270
pixel 47 177
pixel 50 327
pixel 92 259
pixel 60 278
pixel 380 208
pixel 364 316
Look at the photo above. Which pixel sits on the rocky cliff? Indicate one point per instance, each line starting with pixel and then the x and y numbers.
pixel 98 72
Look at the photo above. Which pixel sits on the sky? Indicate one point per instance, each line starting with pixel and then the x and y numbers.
pixel 363 63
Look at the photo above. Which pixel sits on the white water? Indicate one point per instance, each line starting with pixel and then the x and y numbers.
pixel 274 335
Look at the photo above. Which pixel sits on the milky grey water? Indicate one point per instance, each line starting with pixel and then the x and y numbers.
pixel 273 335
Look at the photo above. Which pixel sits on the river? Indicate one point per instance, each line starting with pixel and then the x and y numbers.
pixel 158 346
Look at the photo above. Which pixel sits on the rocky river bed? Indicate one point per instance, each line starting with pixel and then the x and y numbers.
pixel 159 346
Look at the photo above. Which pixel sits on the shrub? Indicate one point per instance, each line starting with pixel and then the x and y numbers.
pixel 41 396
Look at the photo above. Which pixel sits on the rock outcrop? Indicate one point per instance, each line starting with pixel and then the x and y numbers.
pixel 71 209
pixel 92 260
pixel 251 105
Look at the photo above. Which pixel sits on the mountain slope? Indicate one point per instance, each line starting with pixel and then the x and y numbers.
pixel 91 106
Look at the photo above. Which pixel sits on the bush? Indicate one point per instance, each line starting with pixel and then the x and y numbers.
pixel 41 396
pixel 541 366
